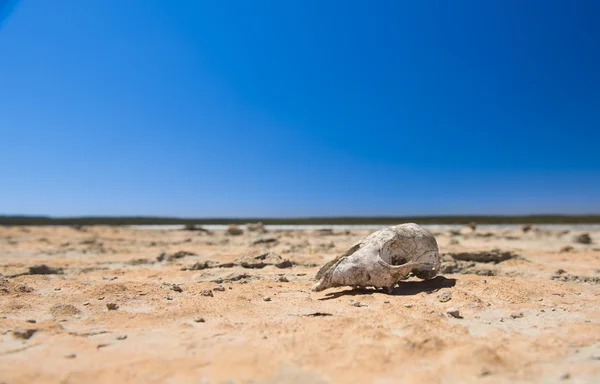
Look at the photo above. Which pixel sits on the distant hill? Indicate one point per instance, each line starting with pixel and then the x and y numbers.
pixel 116 220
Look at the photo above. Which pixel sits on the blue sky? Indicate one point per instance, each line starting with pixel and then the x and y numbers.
pixel 299 108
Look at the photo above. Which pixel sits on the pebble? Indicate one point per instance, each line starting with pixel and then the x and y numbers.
pixel 32 321
pixel 266 299
pixel 444 296
pixel 207 292
pixel 220 288
pixel 112 306
pixel 565 376
pixel 71 356
pixel 122 337
pixel 199 319
pixel 24 334
pixel 176 288
pixel 516 315
pixel 453 312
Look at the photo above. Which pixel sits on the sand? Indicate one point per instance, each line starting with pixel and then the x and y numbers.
pixel 95 305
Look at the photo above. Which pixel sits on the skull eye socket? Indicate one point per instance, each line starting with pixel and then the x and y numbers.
pixel 399 261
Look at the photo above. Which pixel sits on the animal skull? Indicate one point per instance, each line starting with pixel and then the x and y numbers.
pixel 382 259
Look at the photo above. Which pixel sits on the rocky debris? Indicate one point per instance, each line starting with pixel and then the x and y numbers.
pixel 450 266
pixel 265 241
pixel 234 230
pixel 199 319
pixel 207 292
pixel 493 256
pixel 44 270
pixel 263 260
pixel 516 315
pixel 567 249
pixel 8 287
pixel 135 262
pixel 526 228
pixel 282 279
pixel 318 314
pixel 24 334
pixel 266 298
pixel 176 288
pixel 174 256
pixel 563 276
pixel 198 228
pixel 112 306
pixel 219 288
pixel 255 227
pixel 453 312
pixel 584 238
pixel 251 262
pixel 62 310
pixel 444 296
pixel 233 277
pixel 206 265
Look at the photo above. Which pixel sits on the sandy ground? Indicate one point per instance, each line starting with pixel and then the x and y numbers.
pixel 211 311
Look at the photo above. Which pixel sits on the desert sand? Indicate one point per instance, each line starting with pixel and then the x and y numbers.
pixel 118 304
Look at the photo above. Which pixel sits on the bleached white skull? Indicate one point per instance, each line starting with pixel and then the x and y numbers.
pixel 382 259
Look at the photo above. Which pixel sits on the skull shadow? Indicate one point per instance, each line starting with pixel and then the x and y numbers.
pixel 404 288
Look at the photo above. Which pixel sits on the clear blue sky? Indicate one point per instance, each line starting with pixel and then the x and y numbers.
pixel 299 108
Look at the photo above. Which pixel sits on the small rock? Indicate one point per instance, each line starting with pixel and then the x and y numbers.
pixel 584 238
pixel 516 315
pixel 86 303
pixel 207 292
pixel 356 304
pixel 565 376
pixel 24 334
pixel 101 298
pixel 283 279
pixel 71 356
pixel 408 305
pixel 234 230
pixel 526 228
pixel 122 337
pixel 63 310
pixel 255 227
pixel 266 299
pixel 220 288
pixel 453 312
pixel 32 321
pixel 112 306
pixel 45 270
pixel 386 302
pixel 444 296
pixel 560 271
pixel 199 319
pixel 176 288
pixel 566 249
